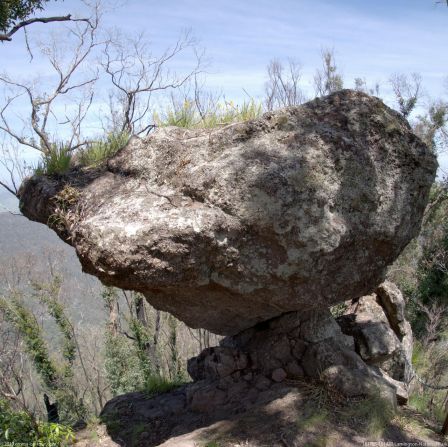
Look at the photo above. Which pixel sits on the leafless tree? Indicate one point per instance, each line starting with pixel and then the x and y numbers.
pixel 15 167
pixel 361 86
pixel 407 91
pixel 327 79
pixel 136 75
pixel 435 319
pixel 282 88
pixel 67 66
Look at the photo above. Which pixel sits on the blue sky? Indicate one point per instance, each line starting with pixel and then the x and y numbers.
pixel 371 39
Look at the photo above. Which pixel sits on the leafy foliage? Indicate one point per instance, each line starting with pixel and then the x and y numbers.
pixel 48 293
pixel 57 377
pixel 328 80
pixel 122 365
pixel 434 269
pixel 13 10
pixel 25 322
pixel 20 427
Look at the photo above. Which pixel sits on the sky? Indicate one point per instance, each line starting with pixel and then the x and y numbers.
pixel 371 40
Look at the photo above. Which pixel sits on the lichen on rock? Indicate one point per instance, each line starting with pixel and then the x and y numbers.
pixel 228 227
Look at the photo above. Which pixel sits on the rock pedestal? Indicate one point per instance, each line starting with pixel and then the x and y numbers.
pixel 255 365
pixel 365 357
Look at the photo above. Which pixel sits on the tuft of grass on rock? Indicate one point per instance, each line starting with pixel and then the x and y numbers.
pixel 98 151
pixel 156 384
pixel 187 115
pixel 55 161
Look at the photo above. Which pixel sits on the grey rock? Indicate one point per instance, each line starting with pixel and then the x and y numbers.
pixel 354 383
pixel 216 362
pixel 377 342
pixel 294 370
pixel 279 375
pixel 262 383
pixel 393 304
pixel 325 354
pixel 224 228
pixel 320 325
pixel 299 348
pixel 383 336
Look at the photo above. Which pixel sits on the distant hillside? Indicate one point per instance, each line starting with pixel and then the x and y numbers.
pixel 27 246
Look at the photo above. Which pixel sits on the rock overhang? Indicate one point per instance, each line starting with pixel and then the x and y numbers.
pixel 302 208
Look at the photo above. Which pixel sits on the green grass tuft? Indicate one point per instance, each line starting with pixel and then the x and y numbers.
pixel 98 151
pixel 156 384
pixel 56 161
pixel 372 415
pixel 187 114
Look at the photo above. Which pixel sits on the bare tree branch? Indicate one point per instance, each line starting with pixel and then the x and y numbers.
pixel 41 105
pixel 8 36
pixel 136 75
pixel 283 86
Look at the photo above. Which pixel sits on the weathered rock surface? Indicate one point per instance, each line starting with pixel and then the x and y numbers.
pixel 382 335
pixel 224 228
pixel 261 364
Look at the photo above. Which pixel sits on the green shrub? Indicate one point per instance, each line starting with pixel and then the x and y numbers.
pixel 20 427
pixel 56 161
pixel 122 365
pixel 183 115
pixel 57 377
pixel 431 365
pixel 100 150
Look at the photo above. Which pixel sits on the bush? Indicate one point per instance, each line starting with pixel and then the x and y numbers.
pixel 122 365
pixel 20 427
pixel 431 365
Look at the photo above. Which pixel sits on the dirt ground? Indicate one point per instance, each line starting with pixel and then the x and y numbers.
pixel 303 416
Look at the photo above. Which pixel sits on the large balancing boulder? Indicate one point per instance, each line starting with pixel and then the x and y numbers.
pixel 227 227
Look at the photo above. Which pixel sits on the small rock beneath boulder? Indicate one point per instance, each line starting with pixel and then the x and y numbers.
pixel 294 370
pixel 279 375
pixel 383 336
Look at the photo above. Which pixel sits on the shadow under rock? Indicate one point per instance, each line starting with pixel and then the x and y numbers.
pixel 282 415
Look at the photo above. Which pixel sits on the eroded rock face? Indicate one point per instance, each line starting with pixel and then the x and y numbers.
pixel 224 228
pixel 382 335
